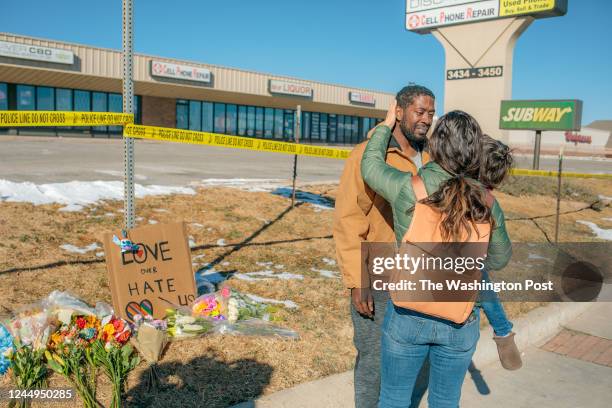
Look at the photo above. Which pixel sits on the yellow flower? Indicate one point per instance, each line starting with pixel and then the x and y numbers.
pixel 109 329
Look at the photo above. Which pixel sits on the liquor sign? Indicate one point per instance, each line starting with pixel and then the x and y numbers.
pixel 424 15
pixel 290 88
pixel 180 71
pixel 359 97
pixel 36 53
pixel 541 115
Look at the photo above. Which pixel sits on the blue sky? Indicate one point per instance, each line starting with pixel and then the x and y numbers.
pixel 359 43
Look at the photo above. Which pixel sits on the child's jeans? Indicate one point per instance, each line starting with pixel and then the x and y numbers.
pixel 494 310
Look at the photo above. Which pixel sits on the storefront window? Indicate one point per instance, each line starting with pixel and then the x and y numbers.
pixel 3 96
pixel 99 104
pixel 182 114
pixel 195 115
pixel 289 124
pixel 207 116
pixel 259 121
pixel 333 128
pixel 340 138
pixel 242 120
pixel 324 127
pixel 63 99
pixel 278 123
pixel 82 101
pixel 356 137
pixel 219 118
pixel 232 120
pixel 25 97
pixel 115 104
pixel 45 98
pixel 268 123
pixel 250 121
pixel 314 130
pixel 306 126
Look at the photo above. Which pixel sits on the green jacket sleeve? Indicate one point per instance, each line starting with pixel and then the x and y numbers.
pixel 382 178
pixel 500 247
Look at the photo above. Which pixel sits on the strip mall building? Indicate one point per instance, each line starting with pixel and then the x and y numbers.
pixel 39 74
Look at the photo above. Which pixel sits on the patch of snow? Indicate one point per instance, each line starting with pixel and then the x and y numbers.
pixel 77 250
pixel 192 242
pixel 325 273
pixel 267 274
pixel 153 222
pixel 601 233
pixel 195 224
pixel 161 210
pixel 221 242
pixel 279 266
pixel 77 194
pixel 328 261
pixel 99 254
pixel 72 208
pixel 252 185
pixel 287 303
pixel 264 263
pixel 225 263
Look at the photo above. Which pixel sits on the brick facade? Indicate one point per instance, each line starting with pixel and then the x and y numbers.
pixel 158 111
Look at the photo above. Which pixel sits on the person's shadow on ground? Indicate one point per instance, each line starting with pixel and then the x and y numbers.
pixel 203 381
pixel 422 383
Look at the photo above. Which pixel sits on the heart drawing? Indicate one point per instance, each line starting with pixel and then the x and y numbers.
pixel 144 308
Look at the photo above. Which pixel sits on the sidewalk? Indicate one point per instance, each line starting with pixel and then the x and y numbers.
pixel 572 368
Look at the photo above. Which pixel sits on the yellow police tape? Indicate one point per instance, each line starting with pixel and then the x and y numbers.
pixel 546 173
pixel 62 118
pixel 69 118
pixel 237 142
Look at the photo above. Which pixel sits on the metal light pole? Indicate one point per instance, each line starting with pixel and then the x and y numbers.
pixel 536 150
pixel 128 107
pixel 558 195
pixel 297 125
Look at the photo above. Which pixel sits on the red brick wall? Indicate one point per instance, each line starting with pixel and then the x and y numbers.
pixel 158 111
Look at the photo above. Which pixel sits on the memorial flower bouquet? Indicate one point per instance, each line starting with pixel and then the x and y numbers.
pixel 181 324
pixel 28 369
pixel 112 353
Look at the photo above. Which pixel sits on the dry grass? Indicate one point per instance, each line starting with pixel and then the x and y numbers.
pixel 220 371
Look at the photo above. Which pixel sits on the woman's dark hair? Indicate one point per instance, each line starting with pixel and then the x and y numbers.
pixel 496 162
pixel 456 145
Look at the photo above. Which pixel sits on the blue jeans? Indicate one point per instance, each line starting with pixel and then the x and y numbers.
pixel 407 338
pixel 494 310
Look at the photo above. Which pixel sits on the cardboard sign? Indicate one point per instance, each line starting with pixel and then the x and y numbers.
pixel 143 282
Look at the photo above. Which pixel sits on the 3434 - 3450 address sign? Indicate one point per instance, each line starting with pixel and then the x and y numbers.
pixel 472 73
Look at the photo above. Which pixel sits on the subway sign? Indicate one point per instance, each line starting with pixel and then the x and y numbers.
pixel 424 15
pixel 541 115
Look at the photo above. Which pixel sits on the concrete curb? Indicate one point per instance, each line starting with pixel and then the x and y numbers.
pixel 533 329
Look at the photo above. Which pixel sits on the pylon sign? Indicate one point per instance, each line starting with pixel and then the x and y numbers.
pixel 424 15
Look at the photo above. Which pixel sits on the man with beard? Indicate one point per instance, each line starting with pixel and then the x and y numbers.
pixel 363 216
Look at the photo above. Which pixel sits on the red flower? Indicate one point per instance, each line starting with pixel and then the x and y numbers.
pixel 123 337
pixel 118 325
pixel 81 322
